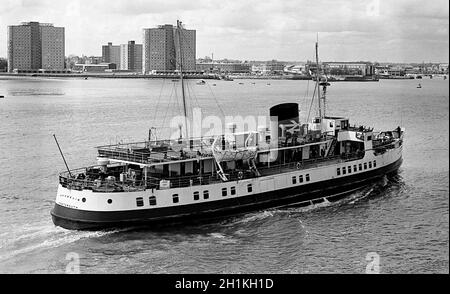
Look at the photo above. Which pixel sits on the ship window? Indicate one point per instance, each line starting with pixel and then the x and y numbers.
pixel 175 198
pixel 338 171
pixel 196 195
pixel 249 188
pixel 294 180
pixel 374 163
pixel 224 192
pixel 152 200
pixel 206 194
pixel 370 164
pixel 355 169
pixel 369 138
pixel 233 190
pixel 360 166
pixel 139 201
pixel 344 171
pixel 300 178
pixel 109 201
pixel 307 177
pixel 365 165
pixel 349 169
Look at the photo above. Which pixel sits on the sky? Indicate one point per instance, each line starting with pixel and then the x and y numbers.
pixel 348 30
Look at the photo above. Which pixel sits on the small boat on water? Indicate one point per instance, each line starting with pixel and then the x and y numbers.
pixel 202 82
pixel 419 86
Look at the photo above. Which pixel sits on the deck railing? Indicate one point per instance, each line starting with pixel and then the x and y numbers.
pixel 81 179
pixel 154 182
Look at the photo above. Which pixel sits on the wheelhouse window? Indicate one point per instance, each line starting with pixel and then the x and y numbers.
pixel 249 188
pixel 139 201
pixel 349 169
pixel 374 163
pixel 307 177
pixel 196 195
pixel 233 190
pixel 338 171
pixel 175 198
pixel 300 178
pixel 355 169
pixel 152 200
pixel 206 194
pixel 294 180
pixel 224 192
pixel 365 165
pixel 344 171
pixel 370 164
pixel 360 166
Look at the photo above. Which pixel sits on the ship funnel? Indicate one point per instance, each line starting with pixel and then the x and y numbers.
pixel 281 115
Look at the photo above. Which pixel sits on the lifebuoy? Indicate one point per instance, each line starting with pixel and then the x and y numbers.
pixel 299 165
pixel 240 175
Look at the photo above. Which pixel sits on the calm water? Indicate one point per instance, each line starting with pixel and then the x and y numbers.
pixel 404 219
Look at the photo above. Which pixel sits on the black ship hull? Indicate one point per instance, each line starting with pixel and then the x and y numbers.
pixel 333 190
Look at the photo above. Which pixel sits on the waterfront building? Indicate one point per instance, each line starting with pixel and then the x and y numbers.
pixel 34 46
pixel 85 67
pixel 131 57
pixel 111 54
pixel 159 53
pixel 275 67
pixel 350 68
pixel 234 67
pixel 94 60
pixel 443 68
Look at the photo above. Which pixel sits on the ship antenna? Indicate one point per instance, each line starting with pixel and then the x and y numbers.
pixel 70 174
pixel 179 28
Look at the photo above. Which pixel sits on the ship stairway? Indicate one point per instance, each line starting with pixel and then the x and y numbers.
pixel 221 173
pixel 331 147
pixel 253 168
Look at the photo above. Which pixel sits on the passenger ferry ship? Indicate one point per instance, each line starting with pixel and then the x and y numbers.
pixel 169 181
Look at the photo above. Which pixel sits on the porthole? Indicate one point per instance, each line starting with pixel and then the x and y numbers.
pixel 109 201
pixel 84 199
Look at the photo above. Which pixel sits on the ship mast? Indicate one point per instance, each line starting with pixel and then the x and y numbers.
pixel 318 78
pixel 179 28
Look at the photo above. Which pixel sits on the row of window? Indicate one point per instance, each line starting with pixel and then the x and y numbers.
pixel 300 179
pixel 344 170
pixel 176 199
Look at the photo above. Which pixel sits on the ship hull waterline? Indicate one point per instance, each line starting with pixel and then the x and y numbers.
pixel 332 190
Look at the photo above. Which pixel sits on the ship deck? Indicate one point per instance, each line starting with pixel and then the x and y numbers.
pixel 90 179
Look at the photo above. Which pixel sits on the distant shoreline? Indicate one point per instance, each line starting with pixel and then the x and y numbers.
pixel 6 75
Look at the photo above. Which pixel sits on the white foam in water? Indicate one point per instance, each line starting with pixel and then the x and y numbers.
pixel 255 217
pixel 56 237
pixel 363 195
pixel 223 238
pixel 217 235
